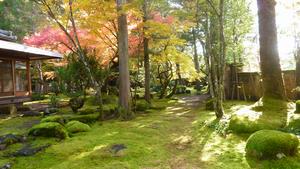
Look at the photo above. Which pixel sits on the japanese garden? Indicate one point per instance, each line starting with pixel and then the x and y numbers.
pixel 149 84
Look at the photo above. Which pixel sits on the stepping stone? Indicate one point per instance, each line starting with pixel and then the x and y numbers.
pixel 117 149
pixel 6 166
pixel 29 151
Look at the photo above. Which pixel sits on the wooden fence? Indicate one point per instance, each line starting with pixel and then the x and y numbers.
pixel 250 85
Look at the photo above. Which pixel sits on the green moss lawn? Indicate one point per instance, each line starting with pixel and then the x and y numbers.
pixel 183 136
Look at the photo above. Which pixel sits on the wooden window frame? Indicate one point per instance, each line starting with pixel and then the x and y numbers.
pixel 18 93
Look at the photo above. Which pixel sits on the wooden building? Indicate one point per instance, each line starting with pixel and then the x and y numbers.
pixel 15 79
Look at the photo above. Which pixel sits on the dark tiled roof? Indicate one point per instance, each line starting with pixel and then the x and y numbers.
pixel 7 36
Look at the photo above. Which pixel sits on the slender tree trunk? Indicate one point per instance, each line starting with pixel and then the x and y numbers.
pixel 124 79
pixel 176 81
pixel 297 58
pixel 146 56
pixel 196 58
pixel 41 78
pixel 269 57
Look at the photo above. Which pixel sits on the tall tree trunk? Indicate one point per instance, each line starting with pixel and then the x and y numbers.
pixel 196 58
pixel 215 51
pixel 146 56
pixel 269 57
pixel 297 73
pixel 124 79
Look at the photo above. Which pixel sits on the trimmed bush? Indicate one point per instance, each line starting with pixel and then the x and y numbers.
pixel 76 127
pixel 268 144
pixel 209 104
pixel 56 118
pixel 297 107
pixel 49 129
pixel 142 105
pixel 90 118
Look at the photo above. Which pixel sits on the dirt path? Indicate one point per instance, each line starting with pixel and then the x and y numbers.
pixel 182 136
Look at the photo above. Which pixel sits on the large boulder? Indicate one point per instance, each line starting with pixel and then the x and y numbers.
pixel 76 103
pixel 76 127
pixel 271 144
pixel 49 129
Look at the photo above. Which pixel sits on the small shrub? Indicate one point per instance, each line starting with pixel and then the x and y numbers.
pixel 76 127
pixel 37 97
pixel 54 101
pixel 87 111
pixel 109 99
pixel 209 104
pixel 90 118
pixel 49 129
pixel 55 118
pixel 124 114
pixel 297 107
pixel 243 125
pixel 180 90
pixel 76 103
pixel 267 144
pixel 142 105
pixel 24 108
pixel 294 126
pixel 109 112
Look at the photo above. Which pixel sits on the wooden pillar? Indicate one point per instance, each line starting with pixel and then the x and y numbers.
pixel 13 63
pixel 28 77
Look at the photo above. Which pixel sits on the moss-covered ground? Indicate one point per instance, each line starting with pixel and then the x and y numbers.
pixel 183 136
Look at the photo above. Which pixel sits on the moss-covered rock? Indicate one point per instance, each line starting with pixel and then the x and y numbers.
pixel 209 104
pixel 297 107
pixel 269 144
pixel 90 118
pixel 49 129
pixel 76 127
pixel 55 118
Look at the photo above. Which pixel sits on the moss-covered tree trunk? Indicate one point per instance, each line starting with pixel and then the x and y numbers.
pixel 269 58
pixel 124 81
